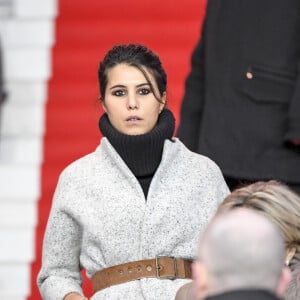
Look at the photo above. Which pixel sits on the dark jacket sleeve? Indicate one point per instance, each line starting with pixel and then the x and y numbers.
pixel 192 103
pixel 293 118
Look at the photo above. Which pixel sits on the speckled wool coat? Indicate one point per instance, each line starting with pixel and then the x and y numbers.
pixel 100 218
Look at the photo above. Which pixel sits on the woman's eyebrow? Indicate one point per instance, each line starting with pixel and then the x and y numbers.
pixel 117 86
pixel 123 86
pixel 143 84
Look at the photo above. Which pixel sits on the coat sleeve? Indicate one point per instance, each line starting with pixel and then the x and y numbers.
pixel 60 272
pixel 192 103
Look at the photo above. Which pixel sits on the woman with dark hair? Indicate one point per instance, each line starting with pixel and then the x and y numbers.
pixel 130 212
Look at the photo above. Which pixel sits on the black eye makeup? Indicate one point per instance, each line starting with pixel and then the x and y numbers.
pixel 119 92
pixel 141 89
pixel 144 91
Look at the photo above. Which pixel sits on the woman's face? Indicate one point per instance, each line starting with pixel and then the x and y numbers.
pixel 131 107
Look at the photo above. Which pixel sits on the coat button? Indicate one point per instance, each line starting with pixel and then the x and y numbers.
pixel 249 75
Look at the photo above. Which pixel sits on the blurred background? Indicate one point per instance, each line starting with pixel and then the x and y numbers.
pixel 49 111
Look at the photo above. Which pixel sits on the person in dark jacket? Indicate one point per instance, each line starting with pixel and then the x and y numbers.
pixel 240 258
pixel 242 97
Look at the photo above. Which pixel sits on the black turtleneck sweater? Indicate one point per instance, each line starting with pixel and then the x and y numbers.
pixel 142 153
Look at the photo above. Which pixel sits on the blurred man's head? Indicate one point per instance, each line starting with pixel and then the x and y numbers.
pixel 240 249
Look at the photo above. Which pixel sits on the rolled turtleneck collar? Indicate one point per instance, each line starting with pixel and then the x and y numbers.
pixel 142 153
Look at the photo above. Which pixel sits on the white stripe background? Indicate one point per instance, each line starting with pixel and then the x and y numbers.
pixel 26 35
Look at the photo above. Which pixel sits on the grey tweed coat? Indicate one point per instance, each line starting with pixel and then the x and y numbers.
pixel 100 218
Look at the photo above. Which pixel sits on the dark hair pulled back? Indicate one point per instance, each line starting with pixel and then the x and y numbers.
pixel 138 56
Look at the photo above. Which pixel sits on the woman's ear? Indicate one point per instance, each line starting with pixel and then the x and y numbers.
pixel 163 102
pixel 103 103
pixel 290 252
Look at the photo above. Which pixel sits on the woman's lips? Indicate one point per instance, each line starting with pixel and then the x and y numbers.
pixel 133 119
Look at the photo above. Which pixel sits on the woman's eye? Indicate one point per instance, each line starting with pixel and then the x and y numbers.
pixel 144 91
pixel 118 93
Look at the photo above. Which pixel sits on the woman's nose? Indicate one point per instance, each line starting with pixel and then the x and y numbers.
pixel 132 102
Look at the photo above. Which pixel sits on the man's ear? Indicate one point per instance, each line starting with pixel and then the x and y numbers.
pixel 284 281
pixel 200 279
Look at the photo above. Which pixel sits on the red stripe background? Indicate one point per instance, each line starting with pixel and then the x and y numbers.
pixel 85 30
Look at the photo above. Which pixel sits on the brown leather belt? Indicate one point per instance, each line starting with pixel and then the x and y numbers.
pixel 162 267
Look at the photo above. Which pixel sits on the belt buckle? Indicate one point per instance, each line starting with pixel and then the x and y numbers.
pixel 157 267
